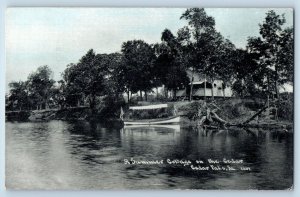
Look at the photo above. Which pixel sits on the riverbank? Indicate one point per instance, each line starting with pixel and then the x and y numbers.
pixel 234 111
pixel 73 113
pixel 238 111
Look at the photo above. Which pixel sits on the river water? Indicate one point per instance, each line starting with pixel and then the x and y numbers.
pixel 83 155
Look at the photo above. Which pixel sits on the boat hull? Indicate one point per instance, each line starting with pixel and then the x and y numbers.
pixel 172 120
pixel 170 127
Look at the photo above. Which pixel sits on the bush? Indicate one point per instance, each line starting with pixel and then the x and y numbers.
pixel 286 110
pixel 110 107
pixel 254 104
pixel 191 109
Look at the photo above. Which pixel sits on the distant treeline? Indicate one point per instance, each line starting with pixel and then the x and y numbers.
pixel 259 70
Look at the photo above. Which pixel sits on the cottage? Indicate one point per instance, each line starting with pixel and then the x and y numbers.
pixel 204 88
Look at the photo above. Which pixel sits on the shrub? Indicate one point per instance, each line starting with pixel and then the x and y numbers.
pixel 191 109
pixel 286 110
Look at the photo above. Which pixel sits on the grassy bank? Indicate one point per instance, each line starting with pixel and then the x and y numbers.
pixel 235 111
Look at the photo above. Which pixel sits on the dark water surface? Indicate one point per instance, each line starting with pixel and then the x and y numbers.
pixel 82 155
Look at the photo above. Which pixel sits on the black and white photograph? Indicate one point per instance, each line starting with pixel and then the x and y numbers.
pixel 149 98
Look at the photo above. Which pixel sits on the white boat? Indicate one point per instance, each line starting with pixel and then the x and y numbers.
pixel 169 120
pixel 171 127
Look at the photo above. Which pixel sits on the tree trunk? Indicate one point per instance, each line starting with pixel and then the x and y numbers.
pixel 276 89
pixel 276 82
pixel 93 103
pixel 156 92
pixel 141 95
pixel 128 99
pixel 191 87
pixel 217 118
pixel 256 114
pixel 46 104
pixel 146 96
pixel 268 84
pixel 166 93
pixel 174 93
pixel 205 87
pixel 212 89
pixel 223 88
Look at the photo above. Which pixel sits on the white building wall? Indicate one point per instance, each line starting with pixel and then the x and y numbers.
pixel 218 90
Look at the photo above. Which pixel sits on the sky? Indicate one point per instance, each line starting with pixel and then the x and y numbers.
pixel 59 36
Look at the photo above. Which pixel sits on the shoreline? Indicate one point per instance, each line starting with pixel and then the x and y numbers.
pixel 234 111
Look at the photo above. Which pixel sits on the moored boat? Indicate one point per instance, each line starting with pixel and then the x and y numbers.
pixel 170 120
pixel 174 119
pixel 173 127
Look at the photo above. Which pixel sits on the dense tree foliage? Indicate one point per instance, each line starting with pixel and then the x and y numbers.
pixel 275 51
pixel 207 52
pixel 18 98
pixel 98 80
pixel 87 79
pixel 34 93
pixel 139 58
pixel 169 67
pixel 39 86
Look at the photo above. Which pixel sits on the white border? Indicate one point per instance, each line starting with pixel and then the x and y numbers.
pixel 147 3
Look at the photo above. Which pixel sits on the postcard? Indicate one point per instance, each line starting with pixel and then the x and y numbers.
pixel 149 98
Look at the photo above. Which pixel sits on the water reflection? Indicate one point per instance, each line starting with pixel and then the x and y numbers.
pixel 83 155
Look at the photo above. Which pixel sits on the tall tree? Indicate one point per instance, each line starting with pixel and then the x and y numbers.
pixel 115 86
pixel 170 68
pixel 40 84
pixel 57 94
pixel 202 33
pixel 214 46
pixel 248 74
pixel 225 62
pixel 286 54
pixel 87 79
pixel 139 58
pixel 18 97
pixel 72 88
pixel 276 49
